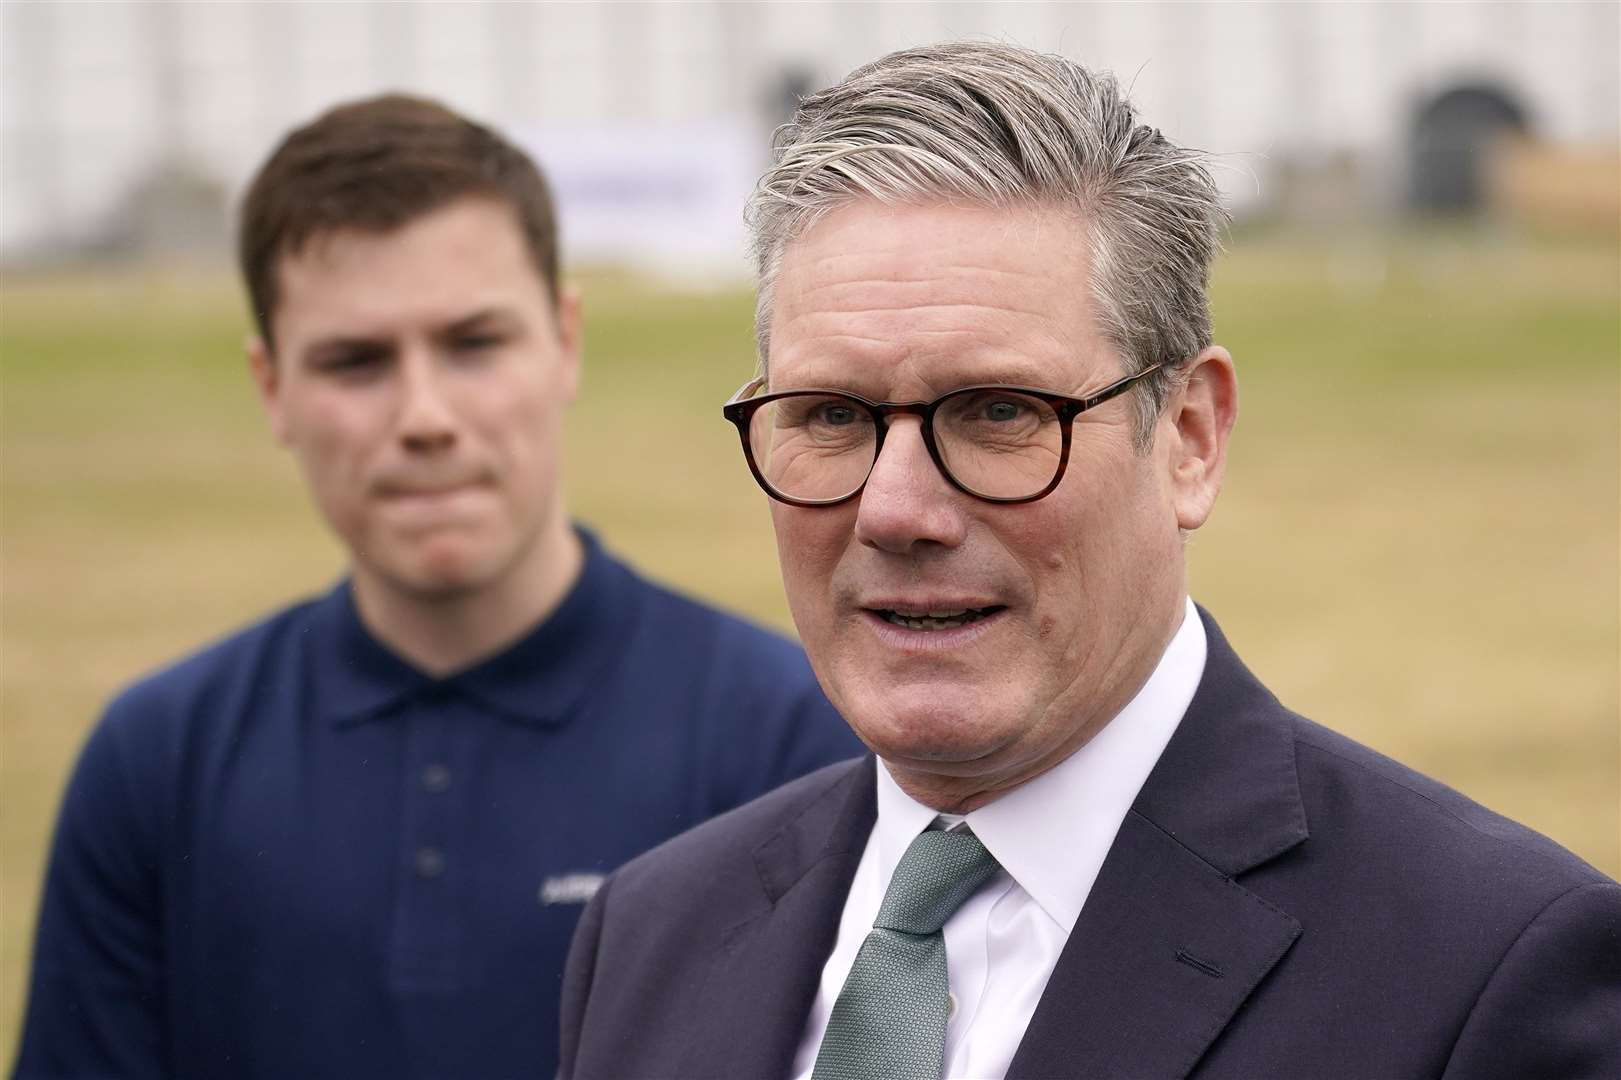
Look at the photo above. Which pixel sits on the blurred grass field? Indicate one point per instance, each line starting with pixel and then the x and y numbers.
pixel 1418 543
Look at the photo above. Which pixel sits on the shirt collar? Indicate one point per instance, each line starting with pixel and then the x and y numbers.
pixel 1051 833
pixel 537 679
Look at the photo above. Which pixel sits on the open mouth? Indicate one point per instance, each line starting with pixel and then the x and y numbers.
pixel 936 620
pixel 425 493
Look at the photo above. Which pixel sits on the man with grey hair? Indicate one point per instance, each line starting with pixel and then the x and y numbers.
pixel 1089 842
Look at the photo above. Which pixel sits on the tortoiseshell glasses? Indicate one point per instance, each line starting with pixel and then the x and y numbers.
pixel 1003 444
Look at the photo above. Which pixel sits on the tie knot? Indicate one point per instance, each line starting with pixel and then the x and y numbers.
pixel 936 874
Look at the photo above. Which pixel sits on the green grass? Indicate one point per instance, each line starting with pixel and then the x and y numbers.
pixel 1417 545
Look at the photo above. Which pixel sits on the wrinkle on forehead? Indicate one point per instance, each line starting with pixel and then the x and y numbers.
pixel 852 281
pixel 935 297
pixel 855 241
pixel 936 347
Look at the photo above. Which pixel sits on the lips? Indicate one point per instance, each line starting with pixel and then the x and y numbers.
pixel 423 487
pixel 429 504
pixel 425 492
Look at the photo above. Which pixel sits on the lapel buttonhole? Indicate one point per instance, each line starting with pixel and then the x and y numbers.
pixel 1197 964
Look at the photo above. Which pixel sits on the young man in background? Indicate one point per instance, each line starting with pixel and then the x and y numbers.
pixel 354 839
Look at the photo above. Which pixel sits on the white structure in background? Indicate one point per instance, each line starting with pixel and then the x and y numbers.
pixel 652 119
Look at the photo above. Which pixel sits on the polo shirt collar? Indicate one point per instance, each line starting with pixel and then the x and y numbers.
pixel 537 680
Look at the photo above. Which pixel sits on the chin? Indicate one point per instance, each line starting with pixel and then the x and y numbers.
pixel 916 731
pixel 446 573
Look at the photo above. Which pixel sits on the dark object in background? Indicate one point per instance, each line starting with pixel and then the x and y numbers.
pixel 1451 138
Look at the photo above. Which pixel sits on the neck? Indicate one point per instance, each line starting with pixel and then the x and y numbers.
pixel 445 632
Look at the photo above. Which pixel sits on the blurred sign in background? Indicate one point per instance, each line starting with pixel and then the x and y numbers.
pixel 128 126
pixel 1418 543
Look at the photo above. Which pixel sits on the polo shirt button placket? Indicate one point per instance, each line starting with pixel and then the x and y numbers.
pixel 426 941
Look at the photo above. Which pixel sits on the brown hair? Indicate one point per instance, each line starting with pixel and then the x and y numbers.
pixel 376 165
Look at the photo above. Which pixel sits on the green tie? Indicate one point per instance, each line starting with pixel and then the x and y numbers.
pixel 889 1022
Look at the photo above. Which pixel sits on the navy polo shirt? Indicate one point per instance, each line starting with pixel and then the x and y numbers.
pixel 295 855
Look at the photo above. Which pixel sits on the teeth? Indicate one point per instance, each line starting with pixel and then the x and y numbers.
pixel 934 620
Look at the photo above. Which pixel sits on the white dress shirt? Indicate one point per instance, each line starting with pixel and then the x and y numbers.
pixel 1050 836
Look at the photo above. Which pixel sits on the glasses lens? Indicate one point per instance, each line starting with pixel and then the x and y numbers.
pixel 999 443
pixel 813 446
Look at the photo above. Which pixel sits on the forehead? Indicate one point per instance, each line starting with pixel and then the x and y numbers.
pixel 880 297
pixel 467 255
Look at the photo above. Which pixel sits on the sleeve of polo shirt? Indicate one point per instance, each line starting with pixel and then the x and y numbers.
pixel 95 999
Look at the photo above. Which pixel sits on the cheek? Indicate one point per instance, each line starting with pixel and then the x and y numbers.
pixel 524 422
pixel 334 440
pixel 1046 537
pixel 810 544
pixel 1066 550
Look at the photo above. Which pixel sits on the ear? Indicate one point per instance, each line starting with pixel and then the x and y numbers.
pixel 570 337
pixel 262 366
pixel 1201 416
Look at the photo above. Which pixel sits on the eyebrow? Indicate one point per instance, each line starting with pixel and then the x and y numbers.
pixel 496 314
pixel 497 319
pixel 938 386
pixel 340 344
pixel 343 343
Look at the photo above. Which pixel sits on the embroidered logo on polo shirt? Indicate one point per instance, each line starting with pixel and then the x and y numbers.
pixel 574 888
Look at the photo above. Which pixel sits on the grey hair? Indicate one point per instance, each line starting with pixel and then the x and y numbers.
pixel 995 124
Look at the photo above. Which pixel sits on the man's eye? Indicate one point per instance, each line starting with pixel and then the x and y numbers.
pixel 1002 410
pixel 993 414
pixel 351 362
pixel 836 415
pixel 477 342
pixel 991 408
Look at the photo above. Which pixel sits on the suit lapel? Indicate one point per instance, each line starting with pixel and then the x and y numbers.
pixel 751 1007
pixel 1165 951
pixel 1168 945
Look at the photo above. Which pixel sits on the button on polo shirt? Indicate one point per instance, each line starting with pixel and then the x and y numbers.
pixel 481 724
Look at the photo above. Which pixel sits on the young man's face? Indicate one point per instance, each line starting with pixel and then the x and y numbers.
pixel 420 378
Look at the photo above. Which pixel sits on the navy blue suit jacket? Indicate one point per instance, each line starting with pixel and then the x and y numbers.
pixel 1279 902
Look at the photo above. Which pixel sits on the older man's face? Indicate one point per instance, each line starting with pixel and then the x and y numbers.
pixel 1071 599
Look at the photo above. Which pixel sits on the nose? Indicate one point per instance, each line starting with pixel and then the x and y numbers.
pixel 907 503
pixel 426 423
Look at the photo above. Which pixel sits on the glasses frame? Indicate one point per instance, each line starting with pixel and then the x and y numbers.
pixel 741 408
